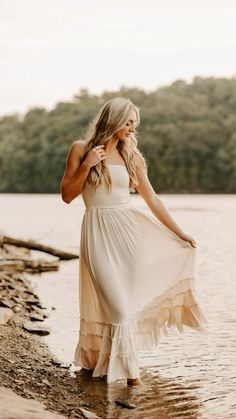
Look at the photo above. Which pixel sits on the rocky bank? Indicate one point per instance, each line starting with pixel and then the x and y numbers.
pixel 34 384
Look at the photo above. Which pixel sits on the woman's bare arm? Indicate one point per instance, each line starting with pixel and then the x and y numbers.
pixel 157 207
pixel 76 173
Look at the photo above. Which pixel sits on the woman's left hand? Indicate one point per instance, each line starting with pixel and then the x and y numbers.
pixel 189 239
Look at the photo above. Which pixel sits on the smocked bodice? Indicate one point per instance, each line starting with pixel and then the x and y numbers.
pixel 102 197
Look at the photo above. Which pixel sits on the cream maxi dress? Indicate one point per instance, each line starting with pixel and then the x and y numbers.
pixel 136 278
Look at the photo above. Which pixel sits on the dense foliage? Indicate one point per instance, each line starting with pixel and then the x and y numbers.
pixel 187 134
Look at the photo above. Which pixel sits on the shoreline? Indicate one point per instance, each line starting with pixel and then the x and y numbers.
pixel 27 365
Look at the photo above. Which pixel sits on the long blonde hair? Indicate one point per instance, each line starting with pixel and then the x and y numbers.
pixel 112 117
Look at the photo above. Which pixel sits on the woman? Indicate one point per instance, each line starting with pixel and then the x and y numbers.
pixel 136 269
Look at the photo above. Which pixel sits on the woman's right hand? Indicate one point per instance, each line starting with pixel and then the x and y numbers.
pixel 95 155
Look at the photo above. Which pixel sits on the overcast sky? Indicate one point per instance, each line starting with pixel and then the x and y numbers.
pixel 49 49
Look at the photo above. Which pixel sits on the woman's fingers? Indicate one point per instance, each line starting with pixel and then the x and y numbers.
pixel 100 150
pixel 193 243
pixel 190 240
pixel 101 154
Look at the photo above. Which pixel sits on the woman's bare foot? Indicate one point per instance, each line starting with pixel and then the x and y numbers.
pixel 134 381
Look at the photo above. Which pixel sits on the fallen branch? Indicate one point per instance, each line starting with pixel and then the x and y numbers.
pixel 28 265
pixel 30 244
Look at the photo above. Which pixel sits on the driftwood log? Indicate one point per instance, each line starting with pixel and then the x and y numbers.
pixel 28 265
pixel 30 244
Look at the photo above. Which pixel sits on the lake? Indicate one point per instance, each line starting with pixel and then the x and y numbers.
pixel 189 375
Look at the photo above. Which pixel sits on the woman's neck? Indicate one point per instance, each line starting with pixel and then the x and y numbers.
pixel 112 147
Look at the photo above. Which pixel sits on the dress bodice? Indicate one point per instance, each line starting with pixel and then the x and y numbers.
pixel 101 197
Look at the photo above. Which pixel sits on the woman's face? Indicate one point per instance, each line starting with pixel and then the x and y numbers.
pixel 124 133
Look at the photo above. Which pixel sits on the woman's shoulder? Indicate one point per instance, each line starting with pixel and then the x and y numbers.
pixel 79 144
pixel 139 160
pixel 79 147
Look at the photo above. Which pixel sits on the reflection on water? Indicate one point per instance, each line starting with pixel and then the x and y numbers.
pixel 190 374
pixel 158 397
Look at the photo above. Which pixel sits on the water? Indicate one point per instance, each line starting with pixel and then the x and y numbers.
pixel 189 375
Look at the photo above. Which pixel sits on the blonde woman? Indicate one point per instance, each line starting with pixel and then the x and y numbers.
pixel 136 267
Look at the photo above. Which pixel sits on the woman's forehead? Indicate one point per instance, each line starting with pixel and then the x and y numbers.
pixel 133 117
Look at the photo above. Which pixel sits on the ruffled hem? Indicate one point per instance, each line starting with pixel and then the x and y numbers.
pixel 177 307
pixel 108 349
pixel 111 348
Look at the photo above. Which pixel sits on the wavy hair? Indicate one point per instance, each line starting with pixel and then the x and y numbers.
pixel 112 117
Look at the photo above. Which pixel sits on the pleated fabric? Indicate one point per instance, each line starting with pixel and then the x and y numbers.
pixel 136 280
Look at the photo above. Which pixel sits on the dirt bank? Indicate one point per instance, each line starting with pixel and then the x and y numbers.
pixel 26 364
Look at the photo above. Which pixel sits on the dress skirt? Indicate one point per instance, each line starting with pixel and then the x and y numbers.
pixel 136 280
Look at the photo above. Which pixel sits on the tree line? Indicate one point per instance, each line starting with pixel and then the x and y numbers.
pixel 187 134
